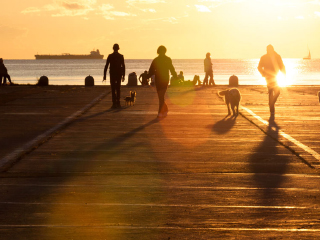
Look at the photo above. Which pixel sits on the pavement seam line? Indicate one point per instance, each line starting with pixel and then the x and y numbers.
pixel 150 227
pixel 286 136
pixel 7 161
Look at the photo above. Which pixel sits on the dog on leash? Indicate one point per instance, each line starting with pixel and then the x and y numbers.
pixel 130 99
pixel 232 98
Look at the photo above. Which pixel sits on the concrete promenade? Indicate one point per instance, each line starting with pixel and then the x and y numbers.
pixel 72 168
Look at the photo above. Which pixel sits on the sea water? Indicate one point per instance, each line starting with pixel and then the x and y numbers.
pixel 73 72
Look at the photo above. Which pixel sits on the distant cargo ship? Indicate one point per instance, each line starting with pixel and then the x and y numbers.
pixel 92 55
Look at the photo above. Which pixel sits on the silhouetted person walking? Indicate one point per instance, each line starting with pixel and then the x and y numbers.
pixel 269 66
pixel 208 70
pixel 160 67
pixel 117 71
pixel 4 73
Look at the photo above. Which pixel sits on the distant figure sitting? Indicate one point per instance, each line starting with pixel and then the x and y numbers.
pixel 4 73
pixel 196 79
pixel 269 66
pixel 208 70
pixel 181 77
pixel 177 80
pixel 160 67
pixel 145 78
pixel 117 71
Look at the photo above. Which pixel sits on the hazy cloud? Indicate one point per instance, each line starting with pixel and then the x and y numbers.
pixel 217 3
pixel 73 6
pixel 109 14
pixel 149 10
pixel 31 10
pixel 64 8
pixel 202 8
pixel 145 1
pixel 317 14
pixel 13 32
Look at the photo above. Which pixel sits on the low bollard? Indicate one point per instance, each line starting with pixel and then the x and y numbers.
pixel 233 81
pixel 43 81
pixel 89 81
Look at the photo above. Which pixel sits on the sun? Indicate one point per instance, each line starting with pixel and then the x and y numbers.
pixel 282 80
pixel 288 79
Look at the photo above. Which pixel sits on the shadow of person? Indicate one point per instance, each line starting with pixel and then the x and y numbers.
pixel 223 126
pixel 117 141
pixel 268 166
pixel 108 111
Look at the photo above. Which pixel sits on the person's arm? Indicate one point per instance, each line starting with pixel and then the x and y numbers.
pixel 151 71
pixel 261 68
pixel 282 67
pixel 140 78
pixel 123 68
pixel 105 69
pixel 172 70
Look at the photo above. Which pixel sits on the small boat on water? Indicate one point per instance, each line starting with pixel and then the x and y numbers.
pixel 92 55
pixel 308 57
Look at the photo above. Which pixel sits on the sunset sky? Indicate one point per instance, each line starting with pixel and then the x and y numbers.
pixel 188 28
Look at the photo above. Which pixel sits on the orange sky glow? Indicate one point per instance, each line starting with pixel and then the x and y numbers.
pixel 188 28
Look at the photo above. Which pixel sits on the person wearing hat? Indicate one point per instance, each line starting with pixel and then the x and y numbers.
pixel 160 67
pixel 117 72
pixel 269 66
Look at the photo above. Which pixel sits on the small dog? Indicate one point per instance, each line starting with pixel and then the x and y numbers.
pixel 232 96
pixel 131 99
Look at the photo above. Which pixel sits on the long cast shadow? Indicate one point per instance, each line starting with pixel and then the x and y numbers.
pixel 268 166
pixel 81 119
pixel 114 142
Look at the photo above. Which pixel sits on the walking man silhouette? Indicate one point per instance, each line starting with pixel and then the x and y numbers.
pixel 208 70
pixel 269 66
pixel 117 71
pixel 160 67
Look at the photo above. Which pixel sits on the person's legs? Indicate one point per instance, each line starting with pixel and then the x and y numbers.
pixel 5 79
pixel 163 108
pixel 115 82
pixel 113 92
pixel 276 93
pixel 273 97
pixel 271 105
pixel 205 80
pixel 211 82
pixel 8 76
pixel 118 86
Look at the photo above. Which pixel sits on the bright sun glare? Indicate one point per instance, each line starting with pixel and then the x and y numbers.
pixel 291 72
pixel 292 68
